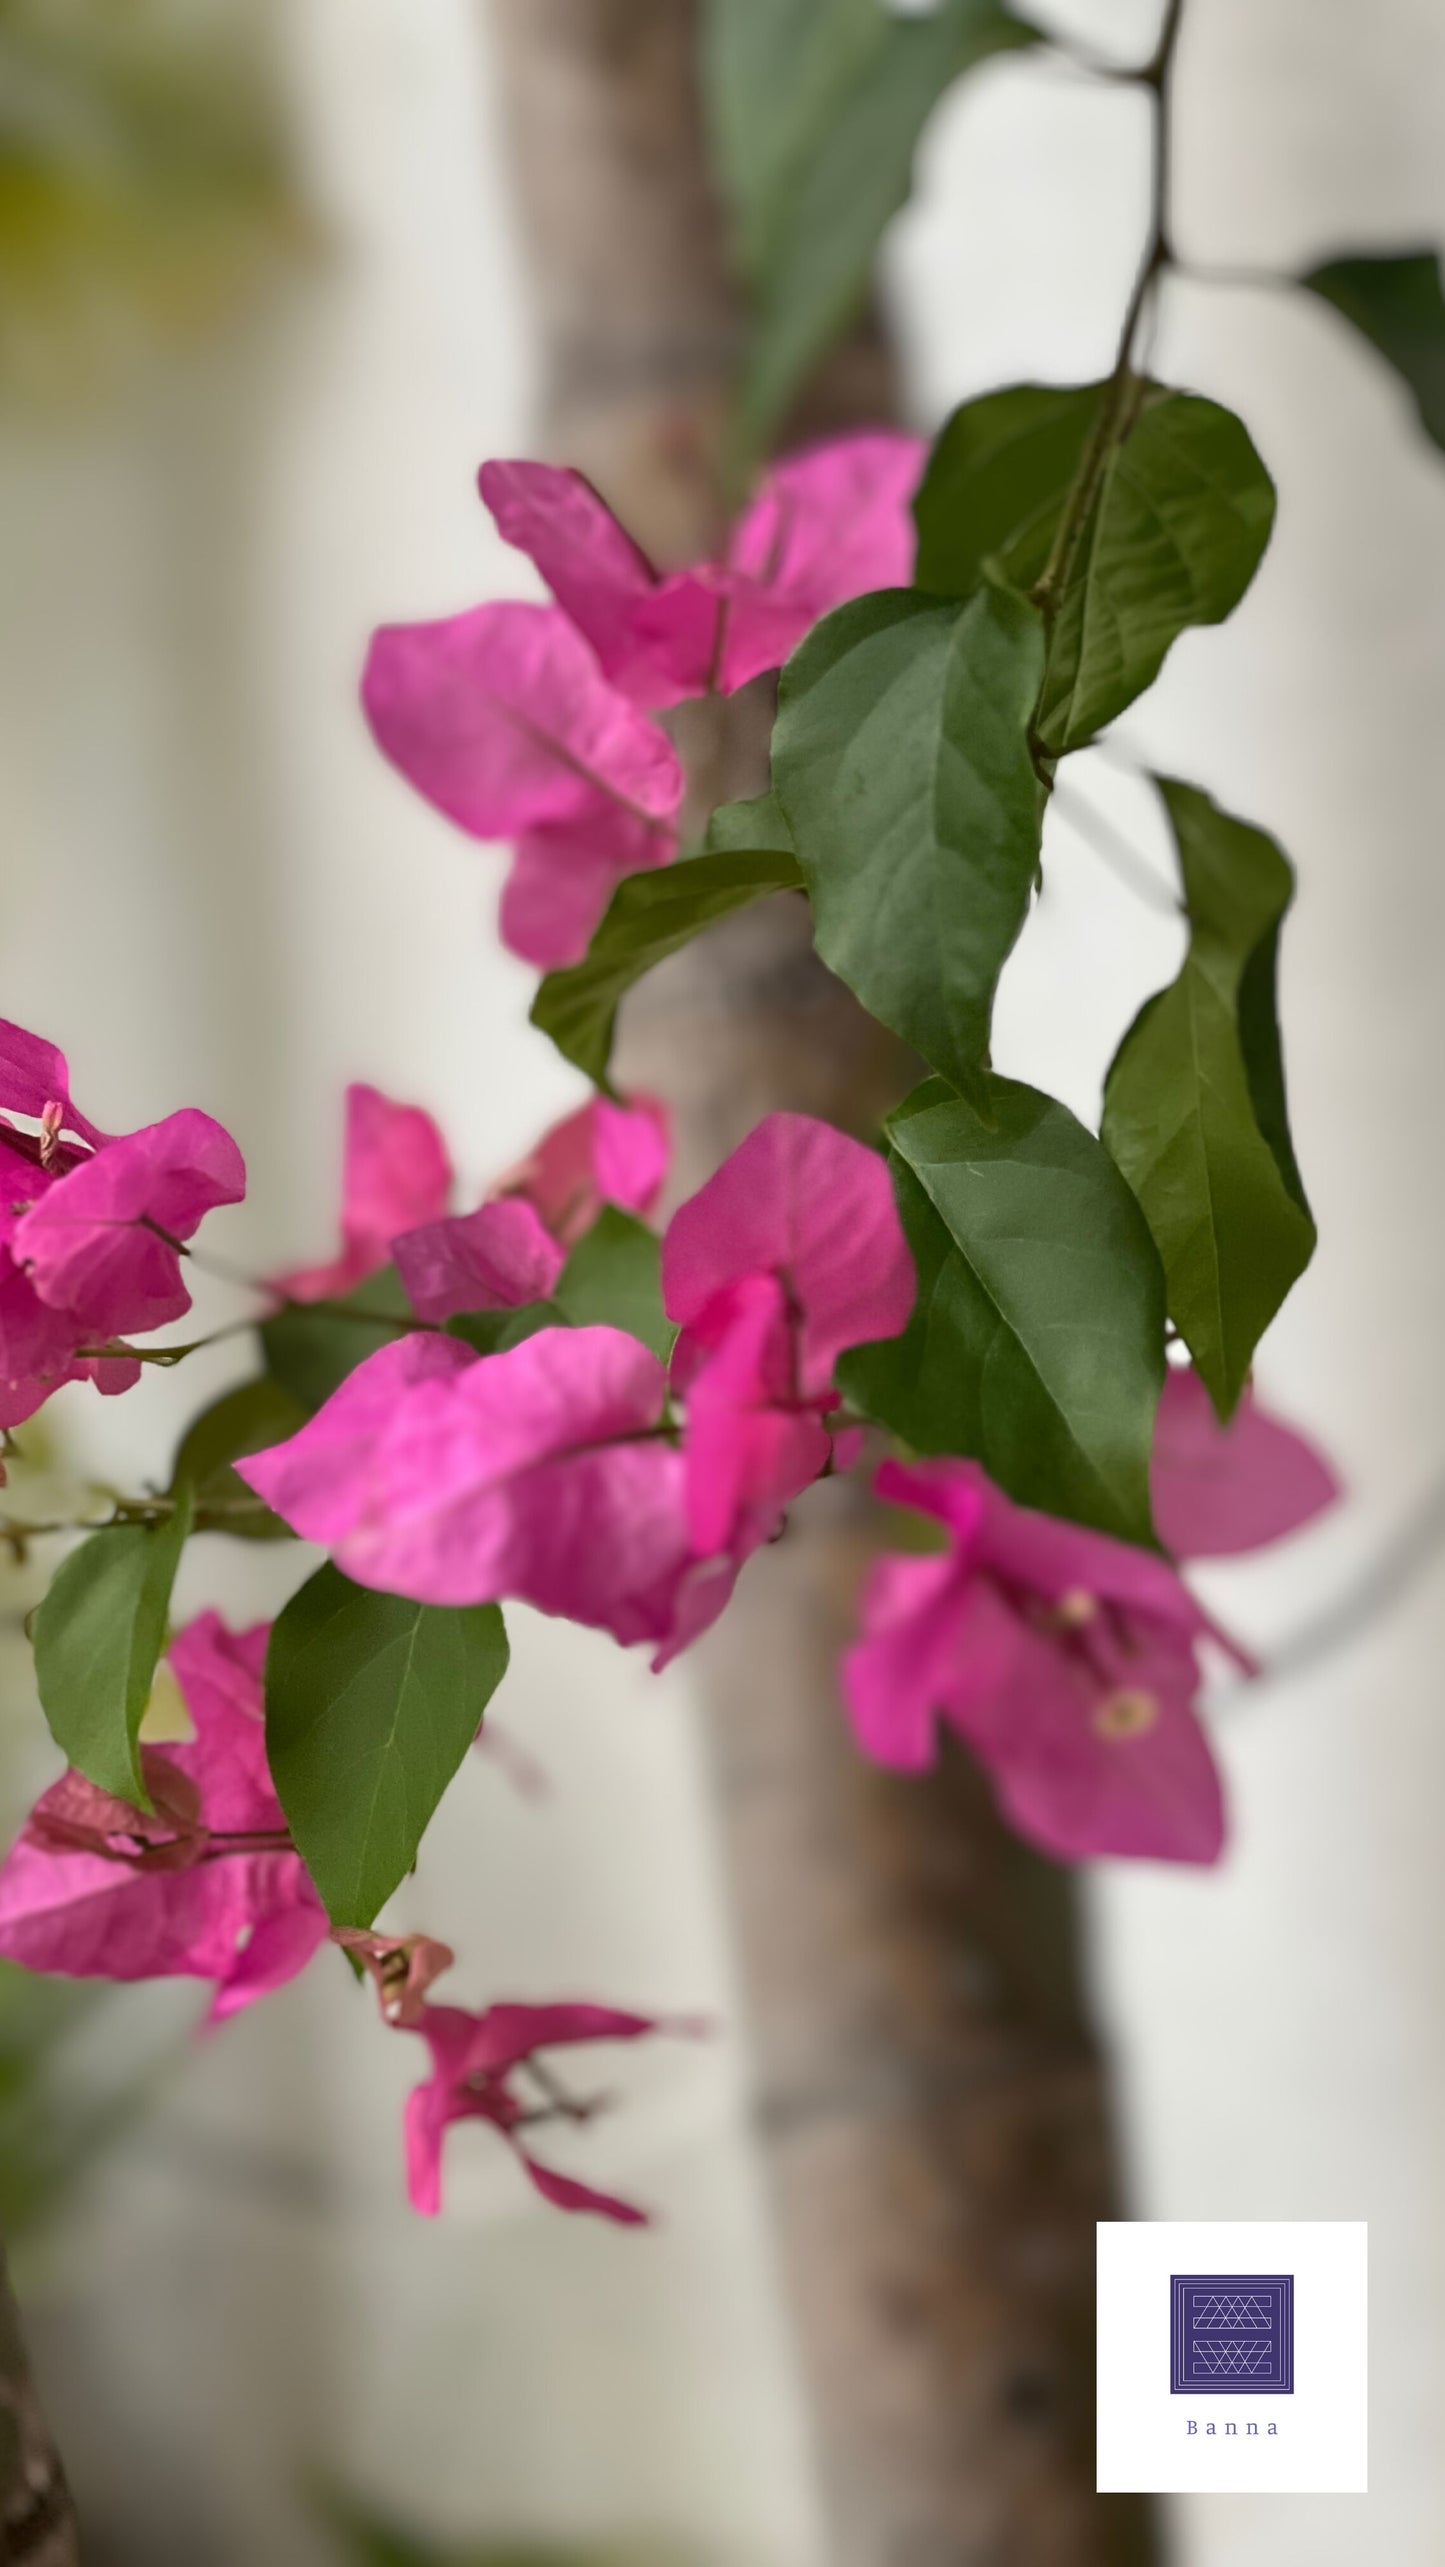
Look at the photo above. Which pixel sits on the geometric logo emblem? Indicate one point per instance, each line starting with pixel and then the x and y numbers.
pixel 1231 2334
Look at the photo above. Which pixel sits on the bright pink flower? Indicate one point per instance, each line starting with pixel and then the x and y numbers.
pixel 792 1252
pixel 475 2061
pixel 512 1249
pixel 395 1174
pixel 496 1258
pixel 1064 1659
pixel 1218 1490
pixel 604 1153
pixel 82 1258
pixel 206 1886
pixel 402 1967
pixel 812 1207
pixel 541 1473
pixel 752 1444
pixel 501 718
pixel 826 525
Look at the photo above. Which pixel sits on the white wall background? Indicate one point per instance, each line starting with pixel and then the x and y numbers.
pixel 214 893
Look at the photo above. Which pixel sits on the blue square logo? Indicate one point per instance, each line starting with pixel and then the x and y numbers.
pixel 1231 2334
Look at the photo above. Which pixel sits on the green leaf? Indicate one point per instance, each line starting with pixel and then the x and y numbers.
pixel 1183 515
pixel 1397 304
pixel 996 482
pixel 491 1332
pixel 98 1638
pixel 1194 1109
pixel 614 1276
pixel 1036 1344
pixel 1173 538
pixel 816 107
pixel 241 1421
pixel 310 1349
pixel 901 759
pixel 371 1703
pixel 756 827
pixel 652 915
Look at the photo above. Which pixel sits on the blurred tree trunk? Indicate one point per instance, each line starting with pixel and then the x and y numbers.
pixel 932 2104
pixel 37 2523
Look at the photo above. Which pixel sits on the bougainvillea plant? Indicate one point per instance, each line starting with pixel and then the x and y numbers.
pixel 1036 1338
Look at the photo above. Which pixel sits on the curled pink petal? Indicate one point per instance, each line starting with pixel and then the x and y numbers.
pixel 604 1153
pixel 401 1966
pixel 496 1258
pixel 206 1886
pixel 474 2059
pixel 503 720
pixel 541 1473
pixel 33 1075
pixel 1218 1489
pixel 811 1206
pixel 396 1174
pixel 92 1244
pixel 565 2193
pixel 751 1447
pixel 825 525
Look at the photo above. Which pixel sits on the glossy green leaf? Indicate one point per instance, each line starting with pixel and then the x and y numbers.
pixel 652 915
pixel 98 1635
pixel 1397 304
pixel 996 482
pixel 1036 1344
pixel 613 1277
pixel 1194 1110
pixel 245 1420
pixel 310 1348
pixel 371 1703
pixel 1173 538
pixel 816 107
pixel 901 759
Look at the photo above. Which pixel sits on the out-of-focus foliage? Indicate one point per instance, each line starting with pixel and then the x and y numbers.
pixel 816 107
pixel 143 181
pixel 367 2540
pixel 55 2123
pixel 1396 301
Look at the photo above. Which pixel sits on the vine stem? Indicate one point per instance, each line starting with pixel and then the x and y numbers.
pixel 1154 77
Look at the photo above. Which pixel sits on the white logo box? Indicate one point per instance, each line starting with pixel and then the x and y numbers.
pixel 1160 2439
